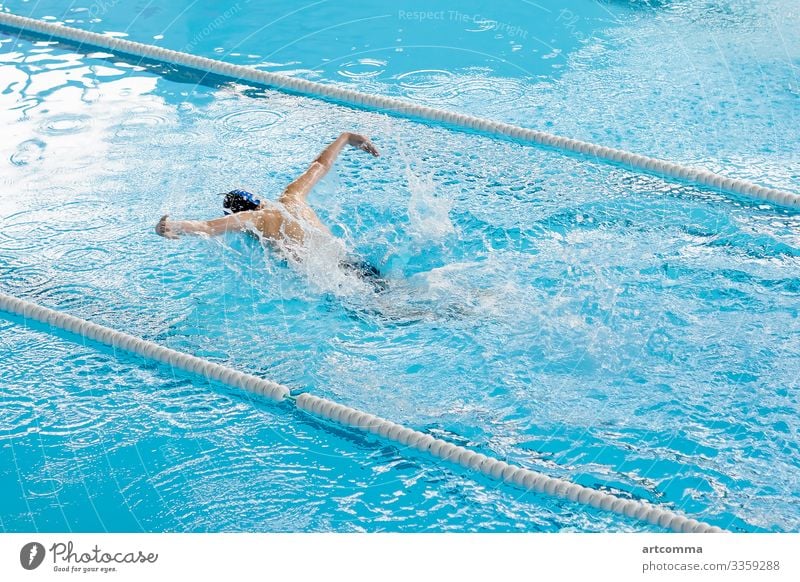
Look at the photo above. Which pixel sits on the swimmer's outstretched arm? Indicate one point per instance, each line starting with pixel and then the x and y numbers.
pixel 233 223
pixel 298 190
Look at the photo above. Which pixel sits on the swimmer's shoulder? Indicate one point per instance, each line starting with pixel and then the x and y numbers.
pixel 268 220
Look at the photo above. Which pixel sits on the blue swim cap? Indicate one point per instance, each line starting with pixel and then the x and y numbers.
pixel 239 200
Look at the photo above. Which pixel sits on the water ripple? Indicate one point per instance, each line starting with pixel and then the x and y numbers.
pixel 32 279
pixel 28 152
pixel 17 416
pixel 248 127
pixel 139 123
pixel 78 260
pixel 44 487
pixel 28 234
pixel 195 409
pixel 444 87
pixel 65 124
pixel 427 83
pixel 86 439
pixel 362 69
pixel 71 417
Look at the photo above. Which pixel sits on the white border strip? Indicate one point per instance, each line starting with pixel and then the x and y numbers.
pixel 350 417
pixel 403 108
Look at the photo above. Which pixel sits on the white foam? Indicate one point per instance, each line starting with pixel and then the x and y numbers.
pixel 428 214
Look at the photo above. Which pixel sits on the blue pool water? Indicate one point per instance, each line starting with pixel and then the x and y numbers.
pixel 614 329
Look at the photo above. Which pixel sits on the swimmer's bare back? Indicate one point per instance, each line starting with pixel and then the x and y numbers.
pixel 281 221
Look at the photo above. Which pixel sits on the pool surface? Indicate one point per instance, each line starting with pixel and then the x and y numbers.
pixel 621 331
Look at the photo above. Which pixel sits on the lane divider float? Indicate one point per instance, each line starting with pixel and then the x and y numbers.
pixel 496 469
pixel 238 73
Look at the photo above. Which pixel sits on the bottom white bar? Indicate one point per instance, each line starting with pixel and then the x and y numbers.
pixel 388 557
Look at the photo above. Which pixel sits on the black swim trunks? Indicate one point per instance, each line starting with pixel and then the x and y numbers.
pixel 366 271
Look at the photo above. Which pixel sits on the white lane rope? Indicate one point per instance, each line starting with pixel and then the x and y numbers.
pixel 401 108
pixel 140 347
pixel 496 469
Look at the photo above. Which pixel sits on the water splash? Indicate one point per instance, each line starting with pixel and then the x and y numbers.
pixel 428 214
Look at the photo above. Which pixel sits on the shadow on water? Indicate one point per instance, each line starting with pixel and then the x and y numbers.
pixel 398 311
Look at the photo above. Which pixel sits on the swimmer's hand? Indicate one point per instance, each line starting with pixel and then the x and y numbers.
pixel 362 142
pixel 165 228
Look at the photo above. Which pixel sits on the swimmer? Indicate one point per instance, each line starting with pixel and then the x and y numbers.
pixel 285 221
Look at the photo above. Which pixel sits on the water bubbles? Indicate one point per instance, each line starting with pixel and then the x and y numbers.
pixel 552 54
pixel 481 25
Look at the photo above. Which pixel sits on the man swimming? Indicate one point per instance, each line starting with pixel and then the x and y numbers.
pixel 287 222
